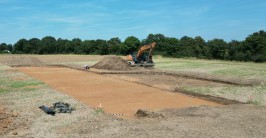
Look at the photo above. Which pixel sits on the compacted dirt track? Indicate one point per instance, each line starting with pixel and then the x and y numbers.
pixel 114 95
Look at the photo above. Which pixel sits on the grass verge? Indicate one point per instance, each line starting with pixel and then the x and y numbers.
pixel 247 94
pixel 9 84
pixel 241 70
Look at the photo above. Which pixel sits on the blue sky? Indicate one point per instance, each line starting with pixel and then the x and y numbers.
pixel 104 19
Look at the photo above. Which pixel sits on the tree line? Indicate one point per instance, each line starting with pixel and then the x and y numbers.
pixel 253 48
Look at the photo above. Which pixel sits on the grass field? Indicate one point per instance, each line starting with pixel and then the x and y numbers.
pixel 21 95
pixel 12 81
pixel 240 70
pixel 245 70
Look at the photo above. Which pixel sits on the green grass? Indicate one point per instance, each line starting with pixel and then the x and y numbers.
pixel 21 84
pixel 99 111
pixel 2 81
pixel 241 70
pixel 8 84
pixel 200 90
pixel 2 90
pixel 247 94
pixel 214 67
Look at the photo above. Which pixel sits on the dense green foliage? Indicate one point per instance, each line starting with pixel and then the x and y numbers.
pixel 253 48
pixel 4 48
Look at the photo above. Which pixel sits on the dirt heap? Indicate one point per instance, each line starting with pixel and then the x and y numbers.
pixel 23 60
pixel 112 63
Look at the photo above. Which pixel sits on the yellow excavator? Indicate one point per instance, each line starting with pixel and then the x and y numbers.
pixel 143 57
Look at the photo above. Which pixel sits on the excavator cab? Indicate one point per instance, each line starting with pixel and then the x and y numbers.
pixel 143 58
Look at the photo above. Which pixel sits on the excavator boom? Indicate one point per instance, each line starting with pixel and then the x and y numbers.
pixel 141 59
pixel 146 47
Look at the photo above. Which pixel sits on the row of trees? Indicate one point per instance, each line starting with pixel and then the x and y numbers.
pixel 5 48
pixel 253 48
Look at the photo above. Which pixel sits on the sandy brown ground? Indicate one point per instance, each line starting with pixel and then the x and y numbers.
pixel 45 59
pixel 166 82
pixel 115 95
pixel 6 120
pixel 204 121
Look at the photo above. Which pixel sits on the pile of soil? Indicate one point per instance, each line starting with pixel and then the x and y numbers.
pixel 24 61
pixel 112 63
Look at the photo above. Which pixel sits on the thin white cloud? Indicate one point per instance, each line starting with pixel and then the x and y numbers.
pixel 70 20
pixel 133 28
pixel 139 13
pixel 245 5
pixel 14 8
pixel 88 5
pixel 6 1
pixel 193 11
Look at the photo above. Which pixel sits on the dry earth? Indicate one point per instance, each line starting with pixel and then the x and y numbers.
pixel 25 119
pixel 115 95
pixel 5 120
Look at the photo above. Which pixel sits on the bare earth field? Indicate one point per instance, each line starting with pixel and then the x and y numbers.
pixel 116 96
pixel 119 94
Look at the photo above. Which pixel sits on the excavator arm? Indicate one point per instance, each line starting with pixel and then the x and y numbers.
pixel 144 48
pixel 140 59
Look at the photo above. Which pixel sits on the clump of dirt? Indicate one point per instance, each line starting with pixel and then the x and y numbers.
pixel 5 120
pixel 112 63
pixel 148 114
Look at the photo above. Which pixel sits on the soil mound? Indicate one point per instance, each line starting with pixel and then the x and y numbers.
pixel 26 61
pixel 112 63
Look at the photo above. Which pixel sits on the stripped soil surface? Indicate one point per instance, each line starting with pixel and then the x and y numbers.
pixel 176 84
pixel 116 96
pixel 116 92
pixel 5 120
pixel 166 82
pixel 25 61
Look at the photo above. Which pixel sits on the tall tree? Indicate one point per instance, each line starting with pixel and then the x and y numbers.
pixel 218 48
pixel 114 44
pixel 199 46
pixel 131 44
pixel 77 46
pixel 255 44
pixel 60 45
pixel 48 45
pixel 171 47
pixel 187 47
pixel 102 47
pixel 159 39
pixel 86 46
pixel 18 46
pixel 34 44
pixel 155 38
pixel 3 46
pixel 235 51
